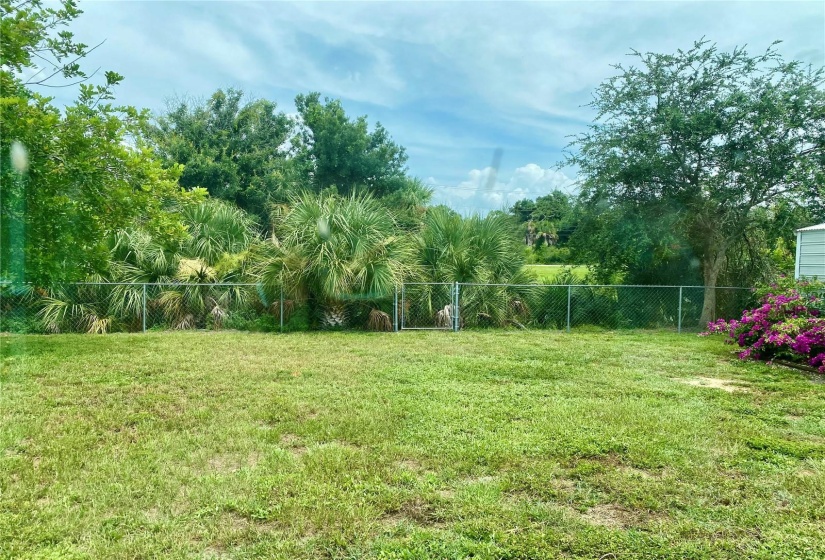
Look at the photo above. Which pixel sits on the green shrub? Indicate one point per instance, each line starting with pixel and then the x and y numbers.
pixel 298 320
pixel 547 254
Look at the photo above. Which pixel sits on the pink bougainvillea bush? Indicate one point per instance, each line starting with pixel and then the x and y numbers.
pixel 788 325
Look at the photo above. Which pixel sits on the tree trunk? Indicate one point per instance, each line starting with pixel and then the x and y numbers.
pixel 711 269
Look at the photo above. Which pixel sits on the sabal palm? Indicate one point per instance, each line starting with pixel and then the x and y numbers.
pixel 135 258
pixel 476 249
pixel 336 250
pixel 218 235
pixel 216 228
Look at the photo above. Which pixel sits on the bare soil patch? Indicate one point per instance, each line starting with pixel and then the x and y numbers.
pixel 713 383
pixel 229 463
pixel 410 465
pixel 638 473
pixel 417 511
pixel 446 493
pixel 610 515
pixel 293 444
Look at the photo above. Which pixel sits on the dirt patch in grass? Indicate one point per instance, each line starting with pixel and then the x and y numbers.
pixel 290 439
pixel 564 484
pixel 152 515
pixel 611 516
pixel 236 522
pixel 479 480
pixel 714 383
pixel 410 465
pixel 230 463
pixel 293 444
pixel 417 511
pixel 633 472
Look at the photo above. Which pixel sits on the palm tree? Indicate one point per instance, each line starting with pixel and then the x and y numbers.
pixel 341 254
pixel 218 240
pixel 474 250
pixel 216 228
pixel 220 237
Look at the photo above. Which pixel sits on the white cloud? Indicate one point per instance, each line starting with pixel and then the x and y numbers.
pixel 477 193
pixel 450 81
pixel 220 50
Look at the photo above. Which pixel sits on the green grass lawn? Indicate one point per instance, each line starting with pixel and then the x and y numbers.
pixel 549 272
pixel 413 445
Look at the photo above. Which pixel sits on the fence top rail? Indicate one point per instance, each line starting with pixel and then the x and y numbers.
pixel 595 286
pixel 254 284
pixel 173 284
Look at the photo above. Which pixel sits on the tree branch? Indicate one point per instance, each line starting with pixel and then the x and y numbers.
pixel 63 68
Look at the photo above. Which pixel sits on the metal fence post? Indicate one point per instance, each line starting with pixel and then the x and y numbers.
pixel 144 308
pixel 569 298
pixel 455 308
pixel 402 305
pixel 281 314
pixel 395 309
pixel 679 327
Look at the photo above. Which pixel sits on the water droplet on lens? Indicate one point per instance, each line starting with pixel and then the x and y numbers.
pixel 19 157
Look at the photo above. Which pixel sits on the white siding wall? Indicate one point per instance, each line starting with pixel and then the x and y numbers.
pixel 811 254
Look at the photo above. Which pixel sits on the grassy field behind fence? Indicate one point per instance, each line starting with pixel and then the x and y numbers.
pixel 549 272
pixel 411 445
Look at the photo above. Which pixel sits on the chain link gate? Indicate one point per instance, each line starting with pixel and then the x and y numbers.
pixel 429 306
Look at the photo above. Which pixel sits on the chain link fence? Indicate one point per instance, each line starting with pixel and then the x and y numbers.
pixel 580 306
pixel 120 307
pixel 105 308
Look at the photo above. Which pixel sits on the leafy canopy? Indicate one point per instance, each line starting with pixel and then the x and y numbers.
pixel 234 150
pixel 342 155
pixel 473 249
pixel 698 140
pixel 87 172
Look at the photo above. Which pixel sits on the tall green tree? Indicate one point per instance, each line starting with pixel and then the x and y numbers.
pixel 523 210
pixel 553 207
pixel 624 245
pixel 336 152
pixel 546 221
pixel 77 174
pixel 700 139
pixel 234 149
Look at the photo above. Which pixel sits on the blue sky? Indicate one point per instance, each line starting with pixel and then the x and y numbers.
pixel 450 81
